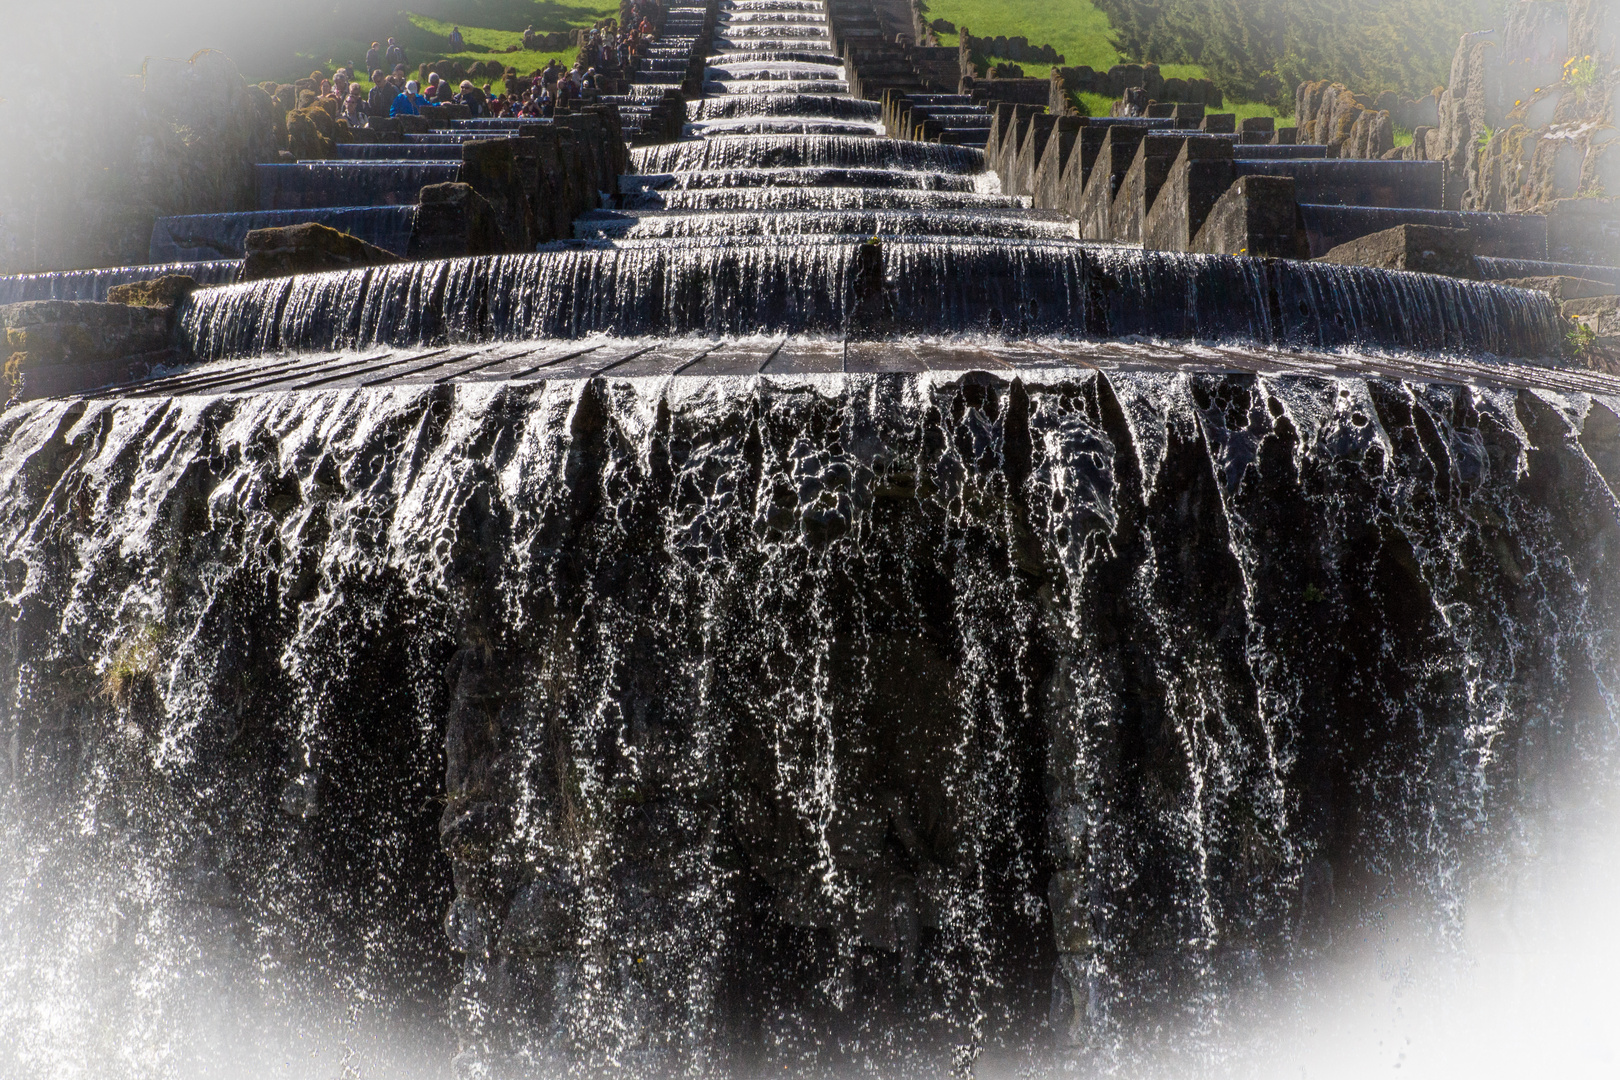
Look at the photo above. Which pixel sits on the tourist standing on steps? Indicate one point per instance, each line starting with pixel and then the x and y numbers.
pixel 396 55
pixel 456 43
pixel 381 96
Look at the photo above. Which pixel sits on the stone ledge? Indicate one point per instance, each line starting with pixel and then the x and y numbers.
pixel 53 347
pixel 1425 249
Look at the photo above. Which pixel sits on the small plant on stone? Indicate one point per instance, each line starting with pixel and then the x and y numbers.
pixel 1582 339
pixel 1579 75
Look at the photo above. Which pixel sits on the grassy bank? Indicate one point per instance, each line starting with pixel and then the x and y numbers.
pixel 1075 28
pixel 489 28
pixel 1079 32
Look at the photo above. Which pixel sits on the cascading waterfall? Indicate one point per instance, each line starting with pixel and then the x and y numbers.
pixel 981 723
pixel 784 721
pixel 93 284
pixel 834 198
pixel 712 286
pixel 780 104
pixel 316 185
pixel 671 224
pixel 806 151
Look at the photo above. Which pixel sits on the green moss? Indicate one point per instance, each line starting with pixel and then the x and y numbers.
pixel 134 664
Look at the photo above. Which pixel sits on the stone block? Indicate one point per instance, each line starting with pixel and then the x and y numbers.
pixel 1219 124
pixel 505 173
pixel 452 221
pixel 1036 92
pixel 1500 236
pixel 1258 217
pixel 1007 126
pixel 1095 208
pixel 1584 231
pixel 165 292
pixel 306 249
pixel 439 116
pixel 1047 186
pixel 1030 151
pixel 1201 174
pixel 1155 156
pixel 1423 249
pixel 1122 77
pixel 1564 288
pixel 1077 170
pixel 1188 114
pixel 52 348
pixel 1414 184
pixel 390 128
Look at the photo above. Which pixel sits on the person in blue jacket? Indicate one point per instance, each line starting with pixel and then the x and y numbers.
pixel 409 102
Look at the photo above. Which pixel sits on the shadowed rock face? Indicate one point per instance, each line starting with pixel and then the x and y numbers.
pixel 308 248
pixel 828 724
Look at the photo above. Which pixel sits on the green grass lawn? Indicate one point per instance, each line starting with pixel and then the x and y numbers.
pixel 488 29
pixel 1075 28
pixel 1080 33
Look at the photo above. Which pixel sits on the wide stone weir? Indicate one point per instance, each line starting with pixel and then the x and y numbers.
pixel 825 641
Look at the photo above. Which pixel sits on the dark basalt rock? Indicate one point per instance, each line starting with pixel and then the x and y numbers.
pixel 166 291
pixel 306 249
pixel 312 133
pixel 453 220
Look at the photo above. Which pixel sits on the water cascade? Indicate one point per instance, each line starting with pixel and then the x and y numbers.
pixel 93 284
pixel 824 621
pixel 223 236
pixel 314 185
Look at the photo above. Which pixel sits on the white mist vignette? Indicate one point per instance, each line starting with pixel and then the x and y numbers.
pixel 1527 989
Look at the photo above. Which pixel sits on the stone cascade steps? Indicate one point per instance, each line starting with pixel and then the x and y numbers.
pixel 798 355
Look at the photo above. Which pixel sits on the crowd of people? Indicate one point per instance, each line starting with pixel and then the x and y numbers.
pixel 607 52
